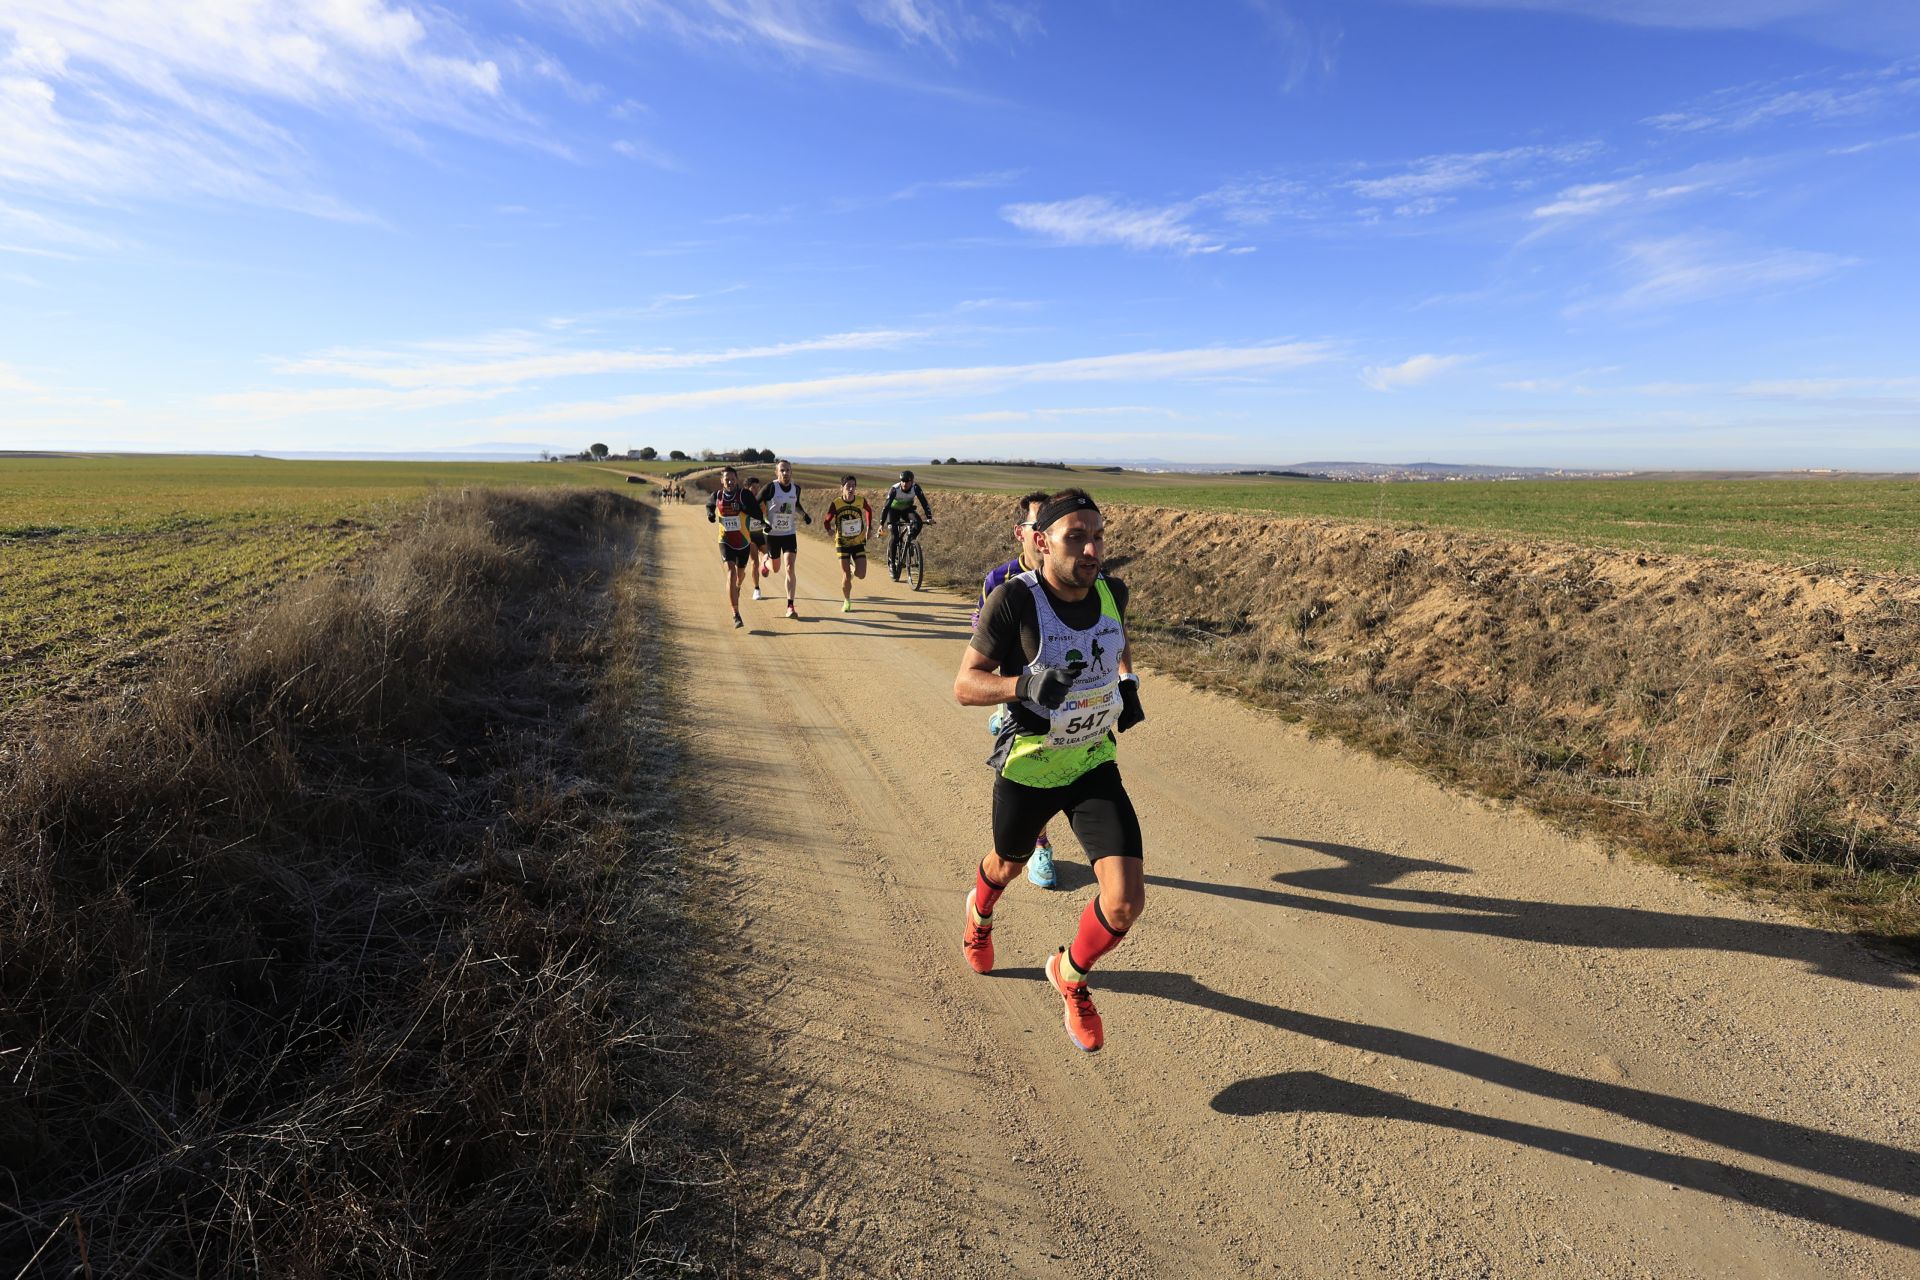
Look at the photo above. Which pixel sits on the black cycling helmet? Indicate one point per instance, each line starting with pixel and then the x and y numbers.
pixel 906 476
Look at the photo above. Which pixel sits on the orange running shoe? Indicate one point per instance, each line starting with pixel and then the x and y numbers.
pixel 976 943
pixel 1082 1019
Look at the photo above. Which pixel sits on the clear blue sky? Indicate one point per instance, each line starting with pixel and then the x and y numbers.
pixel 1598 233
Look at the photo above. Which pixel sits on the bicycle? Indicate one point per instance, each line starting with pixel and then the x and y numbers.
pixel 905 556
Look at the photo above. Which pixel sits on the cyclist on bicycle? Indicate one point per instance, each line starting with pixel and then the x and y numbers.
pixel 896 509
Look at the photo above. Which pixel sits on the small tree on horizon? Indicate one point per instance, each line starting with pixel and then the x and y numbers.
pixel 597 450
pixel 678 455
pixel 649 453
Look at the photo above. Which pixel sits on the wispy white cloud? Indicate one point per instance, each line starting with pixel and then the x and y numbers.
pixel 1577 383
pixel 1099 220
pixel 997 304
pixel 1673 270
pixel 1813 99
pixel 647 153
pixel 971 182
pixel 279 405
pixel 1901 394
pixel 1443 176
pixel 1077 411
pixel 516 357
pixel 1197 363
pixel 121 98
pixel 11 379
pixel 843 37
pixel 1643 192
pixel 1869 26
pixel 1410 372
pixel 1308 48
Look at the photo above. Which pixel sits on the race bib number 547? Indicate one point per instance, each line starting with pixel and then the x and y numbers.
pixel 1085 716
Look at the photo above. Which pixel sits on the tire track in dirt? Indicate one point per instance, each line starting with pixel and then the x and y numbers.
pixel 1366 1027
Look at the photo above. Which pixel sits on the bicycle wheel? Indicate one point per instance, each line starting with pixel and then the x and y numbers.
pixel 893 558
pixel 916 564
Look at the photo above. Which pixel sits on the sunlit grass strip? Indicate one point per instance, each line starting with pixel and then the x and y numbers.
pixel 1871 524
pixel 104 558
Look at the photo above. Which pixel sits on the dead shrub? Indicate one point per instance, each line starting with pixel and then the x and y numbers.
pixel 1746 719
pixel 317 953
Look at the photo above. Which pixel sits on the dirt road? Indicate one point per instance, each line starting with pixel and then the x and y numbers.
pixel 1365 1027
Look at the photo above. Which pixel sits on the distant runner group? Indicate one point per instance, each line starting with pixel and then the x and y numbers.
pixel 757 530
pixel 1049 652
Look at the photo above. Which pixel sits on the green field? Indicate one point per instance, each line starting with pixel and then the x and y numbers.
pixel 1864 523
pixel 103 557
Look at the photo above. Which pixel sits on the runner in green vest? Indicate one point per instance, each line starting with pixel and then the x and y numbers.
pixel 1051 644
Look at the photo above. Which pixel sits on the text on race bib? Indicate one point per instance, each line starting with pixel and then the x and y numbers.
pixel 730 523
pixel 852 526
pixel 1084 716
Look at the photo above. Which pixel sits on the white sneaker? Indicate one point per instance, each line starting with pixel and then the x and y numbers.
pixel 756 593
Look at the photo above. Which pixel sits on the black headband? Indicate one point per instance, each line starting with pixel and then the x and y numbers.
pixel 1063 507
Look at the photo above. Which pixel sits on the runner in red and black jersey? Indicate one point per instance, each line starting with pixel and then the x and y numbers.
pixel 733 507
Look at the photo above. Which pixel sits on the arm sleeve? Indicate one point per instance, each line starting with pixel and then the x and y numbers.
pixel 867 509
pixel 924 504
pixel 712 499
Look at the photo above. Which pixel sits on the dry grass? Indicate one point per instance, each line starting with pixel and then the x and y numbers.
pixel 1756 724
pixel 318 954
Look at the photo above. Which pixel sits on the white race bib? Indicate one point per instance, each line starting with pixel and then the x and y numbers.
pixel 781 520
pixel 1085 716
pixel 852 526
pixel 730 523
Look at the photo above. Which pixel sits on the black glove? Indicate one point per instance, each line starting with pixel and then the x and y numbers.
pixel 806 517
pixel 1130 713
pixel 1048 686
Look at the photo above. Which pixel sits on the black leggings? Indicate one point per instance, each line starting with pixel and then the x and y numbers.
pixel 1096 805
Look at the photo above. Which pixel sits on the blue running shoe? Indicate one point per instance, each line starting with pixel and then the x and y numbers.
pixel 1040 866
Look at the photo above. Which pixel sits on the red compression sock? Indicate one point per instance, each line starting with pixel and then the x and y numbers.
pixel 985 891
pixel 1095 938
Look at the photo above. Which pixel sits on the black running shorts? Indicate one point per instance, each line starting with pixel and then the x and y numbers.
pixel 1096 805
pixel 854 553
pixel 736 555
pixel 782 543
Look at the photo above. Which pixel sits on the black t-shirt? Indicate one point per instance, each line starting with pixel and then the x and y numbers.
pixel 1009 627
pixel 1008 631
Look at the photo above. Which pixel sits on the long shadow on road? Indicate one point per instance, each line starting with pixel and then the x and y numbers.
pixel 1313 1091
pixel 1368 873
pixel 1836 1155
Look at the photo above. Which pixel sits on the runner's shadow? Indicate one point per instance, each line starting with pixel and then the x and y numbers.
pixel 1782 1142
pixel 873 631
pixel 1295 1091
pixel 1369 873
pixel 1070 876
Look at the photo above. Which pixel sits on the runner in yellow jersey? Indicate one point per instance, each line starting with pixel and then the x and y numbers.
pixel 849 521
